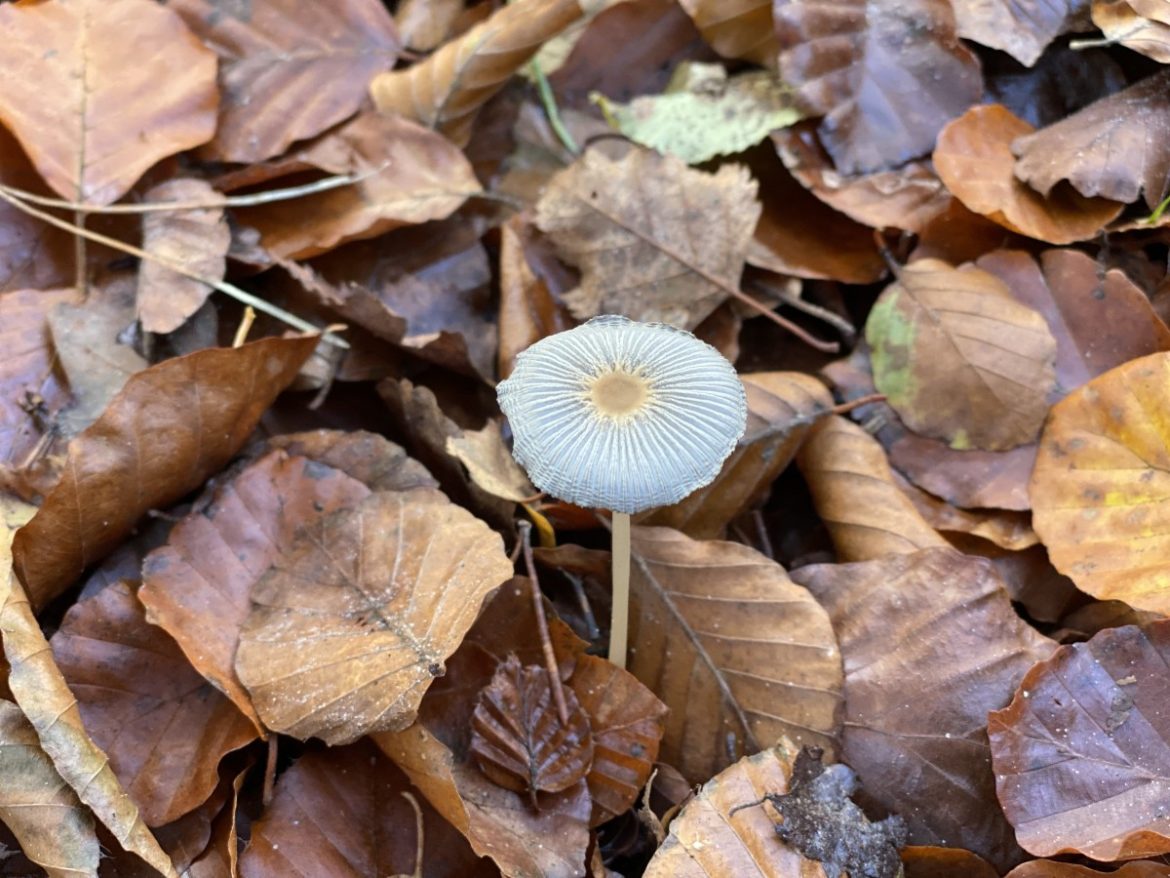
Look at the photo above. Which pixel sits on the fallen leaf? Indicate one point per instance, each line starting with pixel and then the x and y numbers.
pixel 738 653
pixel 288 71
pixel 654 239
pixel 856 496
pixel 198 240
pixel 1056 869
pixel 348 630
pixel 344 812
pixel 1006 528
pixel 219 858
pixel 959 359
pixel 446 90
pixel 973 157
pixel 44 814
pixel 33 254
pixel 737 29
pixel 930 644
pixel 193 413
pixel 1022 29
pixel 490 464
pixel 1081 756
pixel 1147 32
pixel 887 76
pixel 1100 485
pixel 1114 148
pixel 426 24
pixel 91 123
pixel 163 726
pixel 926 861
pixel 368 457
pixel 782 407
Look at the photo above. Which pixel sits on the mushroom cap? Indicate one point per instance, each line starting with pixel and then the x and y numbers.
pixel 622 415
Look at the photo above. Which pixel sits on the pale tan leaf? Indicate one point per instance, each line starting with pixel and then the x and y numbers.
pixel 1022 28
pixel 1147 31
pixel 737 28
pixel 490 464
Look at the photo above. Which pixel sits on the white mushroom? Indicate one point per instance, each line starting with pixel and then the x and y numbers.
pixel 623 416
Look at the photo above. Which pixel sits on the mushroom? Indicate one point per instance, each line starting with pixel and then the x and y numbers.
pixel 623 416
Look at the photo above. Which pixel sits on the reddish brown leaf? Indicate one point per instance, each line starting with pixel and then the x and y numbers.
pixel 371 459
pixel 33 254
pixel 924 861
pixel 930 643
pixel 163 726
pixel 425 24
pixel 288 70
pixel 886 76
pixel 171 427
pixel 1006 528
pixel 1081 757
pixel 517 738
pixel 1056 869
pixel 90 122
pixel 974 159
pixel 1022 28
pixel 1114 148
pixel 736 29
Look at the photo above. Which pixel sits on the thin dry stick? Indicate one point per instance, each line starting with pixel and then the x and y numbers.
pixel 852 404
pixel 270 771
pixel 550 657
pixel 223 287
pixel 245 326
pixel 620 627
pixel 418 842
pixel 80 274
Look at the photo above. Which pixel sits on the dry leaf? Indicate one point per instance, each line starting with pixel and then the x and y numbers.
pixel 490 464
pixel 959 358
pixel 92 123
pixel 856 496
pixel 288 70
pixel 1056 869
pixel 655 240
pixel 1022 29
pixel 973 157
pixel 171 427
pixel 1114 148
pixel 426 24
pixel 446 90
pixel 782 407
pixel 517 739
pixel 1081 757
pixel 885 75
pixel 736 29
pixel 33 254
pixel 930 644
pixel 1006 528
pixel 348 630
pixel 739 653
pixel 163 726
pixel 1147 32
pixel 1100 486
pixel 198 240
pixel 926 861
pixel 44 814
pixel 368 457
pixel 219 858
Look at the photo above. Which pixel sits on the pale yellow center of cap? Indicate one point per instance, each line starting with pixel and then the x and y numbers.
pixel 619 394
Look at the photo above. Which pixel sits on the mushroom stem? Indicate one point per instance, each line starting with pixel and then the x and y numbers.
pixel 620 617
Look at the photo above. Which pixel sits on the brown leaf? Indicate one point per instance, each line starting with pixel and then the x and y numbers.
pixel 344 813
pixel 1022 29
pixel 44 814
pixel 288 70
pixel 371 459
pixel 414 176
pixel 738 653
pixel 425 24
pixel 33 254
pixel 171 427
pixel 930 643
pixel 517 739
pixel 1114 148
pixel 627 723
pixel 926 861
pixel 655 240
pixel 163 726
pixel 1056 869
pixel 219 858
pixel 1145 31
pixel 91 122
pixel 886 76
pixel 1006 528
pixel 973 157
pixel 714 837
pixel 348 630
pixel 446 90
pixel 782 407
pixel 490 464
pixel 1081 756
pixel 737 29
pixel 959 358
pixel 856 497
pixel 196 239
pixel 1100 485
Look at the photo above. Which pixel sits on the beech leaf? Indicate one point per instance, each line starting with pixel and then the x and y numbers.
pixel 1146 31
pixel 1022 29
pixel 736 28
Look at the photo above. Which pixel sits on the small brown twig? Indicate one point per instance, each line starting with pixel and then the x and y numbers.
pixel 270 771
pixel 846 407
pixel 418 845
pixel 550 657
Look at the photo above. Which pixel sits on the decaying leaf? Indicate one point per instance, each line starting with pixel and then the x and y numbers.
pixel 288 70
pixel 1081 757
pixel 163 726
pixel 446 90
pixel 930 643
pixel 33 254
pixel 1058 869
pixel 959 358
pixel 929 861
pixel 90 122
pixel 348 630
pixel 490 464
pixel 736 28
pixel 519 741
pixel 739 653
pixel 170 427
pixel 1146 31
pixel 1102 484
pixel 654 239
pixel 973 157
pixel 1006 528
pixel 885 75
pixel 1022 29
